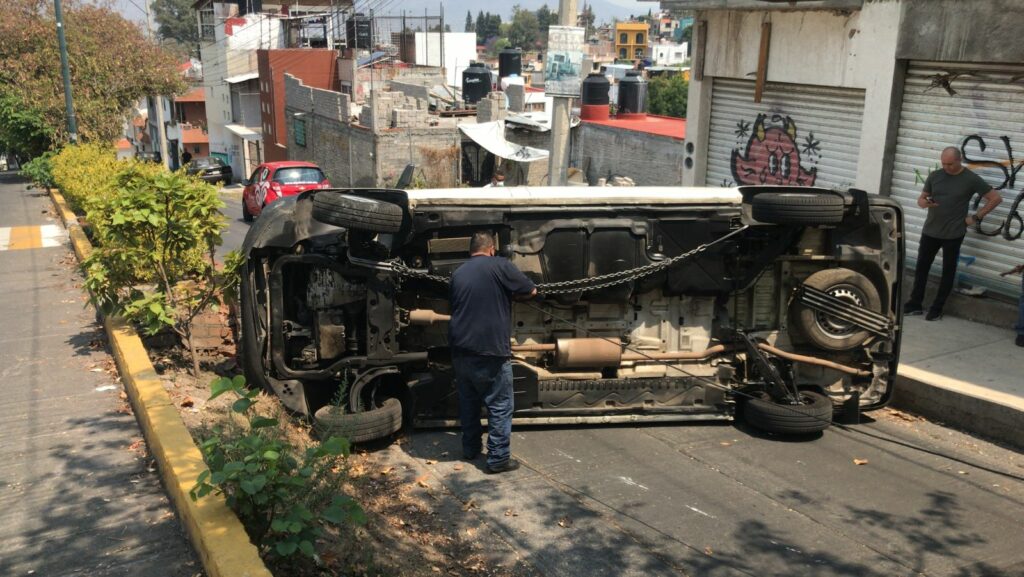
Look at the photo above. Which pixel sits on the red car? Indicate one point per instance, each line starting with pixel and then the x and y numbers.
pixel 272 180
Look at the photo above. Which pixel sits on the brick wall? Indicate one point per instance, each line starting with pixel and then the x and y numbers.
pixel 434 151
pixel 648 159
pixel 393 130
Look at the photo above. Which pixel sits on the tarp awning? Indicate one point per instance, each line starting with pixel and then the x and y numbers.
pixel 491 136
pixel 241 77
pixel 244 132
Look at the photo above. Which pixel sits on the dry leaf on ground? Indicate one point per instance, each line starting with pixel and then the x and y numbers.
pixel 860 461
pixel 565 522
pixel 187 402
pixel 471 504
pixel 422 481
pixel 708 551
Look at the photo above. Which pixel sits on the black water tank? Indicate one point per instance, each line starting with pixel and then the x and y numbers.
pixel 595 89
pixel 510 61
pixel 476 82
pixel 632 94
pixel 359 31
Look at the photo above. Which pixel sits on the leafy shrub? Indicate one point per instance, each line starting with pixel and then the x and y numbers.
pixel 85 170
pixel 40 170
pixel 267 481
pixel 667 96
pixel 154 263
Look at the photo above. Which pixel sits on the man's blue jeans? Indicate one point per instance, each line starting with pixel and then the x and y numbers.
pixel 486 380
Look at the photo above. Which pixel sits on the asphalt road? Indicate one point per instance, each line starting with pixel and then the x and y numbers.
pixel 235 232
pixel 721 500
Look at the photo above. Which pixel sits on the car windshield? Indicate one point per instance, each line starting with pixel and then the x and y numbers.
pixel 298 175
pixel 205 162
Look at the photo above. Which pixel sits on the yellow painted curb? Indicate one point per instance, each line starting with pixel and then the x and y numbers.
pixel 216 533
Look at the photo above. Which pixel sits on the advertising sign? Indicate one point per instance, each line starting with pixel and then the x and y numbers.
pixel 564 61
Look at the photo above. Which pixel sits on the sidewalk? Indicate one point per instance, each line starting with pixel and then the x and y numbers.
pixel 965 374
pixel 76 495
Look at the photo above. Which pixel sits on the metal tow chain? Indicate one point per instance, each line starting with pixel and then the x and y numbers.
pixel 585 284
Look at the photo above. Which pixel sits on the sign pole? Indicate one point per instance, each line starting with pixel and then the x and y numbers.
pixel 558 162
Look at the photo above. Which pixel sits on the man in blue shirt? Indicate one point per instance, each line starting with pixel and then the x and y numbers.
pixel 480 332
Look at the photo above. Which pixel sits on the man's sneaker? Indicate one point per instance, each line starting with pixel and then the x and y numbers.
pixel 1020 340
pixel 933 315
pixel 911 309
pixel 509 465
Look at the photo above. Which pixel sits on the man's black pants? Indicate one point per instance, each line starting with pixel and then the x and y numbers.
pixel 926 252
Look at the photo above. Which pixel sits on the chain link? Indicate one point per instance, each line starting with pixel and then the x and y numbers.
pixel 584 284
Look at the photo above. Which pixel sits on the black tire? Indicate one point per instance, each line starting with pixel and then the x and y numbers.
pixel 827 332
pixel 249 353
pixel 356 212
pixel 370 425
pixel 799 208
pixel 812 415
pixel 246 217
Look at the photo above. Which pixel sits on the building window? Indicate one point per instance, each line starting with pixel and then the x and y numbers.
pixel 299 125
pixel 623 38
pixel 197 149
pixel 207 23
pixel 639 53
pixel 622 52
pixel 639 38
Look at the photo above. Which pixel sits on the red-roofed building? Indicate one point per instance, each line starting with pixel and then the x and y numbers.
pixel 647 148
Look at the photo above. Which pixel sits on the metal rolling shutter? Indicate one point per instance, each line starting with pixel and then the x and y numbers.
pixel 989 104
pixel 826 122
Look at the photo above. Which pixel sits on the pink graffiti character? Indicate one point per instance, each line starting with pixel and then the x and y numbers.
pixel 772 157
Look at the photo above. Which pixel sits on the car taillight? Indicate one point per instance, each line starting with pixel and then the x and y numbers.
pixel 325 184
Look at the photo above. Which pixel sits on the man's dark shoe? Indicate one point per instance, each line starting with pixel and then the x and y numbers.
pixel 933 315
pixel 470 455
pixel 509 465
pixel 1020 341
pixel 911 309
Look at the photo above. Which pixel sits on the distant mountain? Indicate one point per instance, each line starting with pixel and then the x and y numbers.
pixel 455 10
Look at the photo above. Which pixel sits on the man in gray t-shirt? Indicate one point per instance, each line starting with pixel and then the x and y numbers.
pixel 947 195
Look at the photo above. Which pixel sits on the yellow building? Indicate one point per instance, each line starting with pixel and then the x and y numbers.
pixel 631 40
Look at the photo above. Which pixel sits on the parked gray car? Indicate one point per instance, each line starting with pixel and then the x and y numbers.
pixel 776 304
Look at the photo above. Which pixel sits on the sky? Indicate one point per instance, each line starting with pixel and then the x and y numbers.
pixel 455 10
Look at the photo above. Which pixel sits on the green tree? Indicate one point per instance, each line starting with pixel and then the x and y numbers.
pixel 481 25
pixel 667 96
pixel 545 19
pixel 589 19
pixel 112 67
pixel 470 25
pixel 524 30
pixel 687 34
pixel 177 21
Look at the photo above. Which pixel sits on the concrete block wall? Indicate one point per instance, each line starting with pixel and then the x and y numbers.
pixel 420 146
pixel 491 108
pixel 516 95
pixel 297 95
pixel 650 160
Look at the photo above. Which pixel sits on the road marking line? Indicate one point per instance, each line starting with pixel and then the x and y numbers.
pixel 25 237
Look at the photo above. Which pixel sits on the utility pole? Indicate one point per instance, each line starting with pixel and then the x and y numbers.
pixel 558 161
pixel 65 70
pixel 161 129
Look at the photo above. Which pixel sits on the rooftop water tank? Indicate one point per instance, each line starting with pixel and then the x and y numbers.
pixel 632 95
pixel 594 105
pixel 510 61
pixel 476 82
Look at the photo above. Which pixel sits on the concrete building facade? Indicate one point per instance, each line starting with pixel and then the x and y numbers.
pixel 865 94
pixel 631 40
pixel 391 131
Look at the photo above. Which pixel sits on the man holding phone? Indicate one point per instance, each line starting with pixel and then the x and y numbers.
pixel 947 195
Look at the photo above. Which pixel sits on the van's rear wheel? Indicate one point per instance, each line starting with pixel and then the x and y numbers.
pixel 797 208
pixel 812 415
